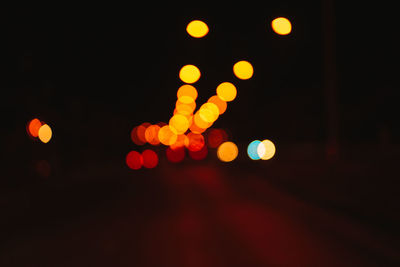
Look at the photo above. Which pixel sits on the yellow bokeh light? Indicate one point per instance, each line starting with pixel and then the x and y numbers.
pixel 209 112
pixel 281 26
pixel 187 90
pixel 200 122
pixel 167 136
pixel 45 133
pixel 243 70
pixel 226 91
pixel 266 149
pixel 185 109
pixel 180 123
pixel 227 151
pixel 189 74
pixel 197 29
pixel 221 104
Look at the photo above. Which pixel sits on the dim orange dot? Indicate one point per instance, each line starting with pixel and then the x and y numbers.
pixel 281 26
pixel 221 104
pixel 150 159
pixel 227 151
pixel 189 74
pixel 226 91
pixel 197 29
pixel 134 160
pixel 243 70
pixel 33 127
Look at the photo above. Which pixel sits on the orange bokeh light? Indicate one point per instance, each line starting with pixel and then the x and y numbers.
pixel 200 122
pixel 187 90
pixel 226 91
pixel 33 127
pixel 197 29
pixel 179 123
pixel 195 142
pixel 167 136
pixel 243 70
pixel 151 134
pixel 181 140
pixel 227 151
pixel 45 133
pixel 221 104
pixel 189 74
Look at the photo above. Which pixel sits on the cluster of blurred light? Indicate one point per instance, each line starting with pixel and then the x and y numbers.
pixel 148 159
pixel 261 149
pixel 40 130
pixel 281 26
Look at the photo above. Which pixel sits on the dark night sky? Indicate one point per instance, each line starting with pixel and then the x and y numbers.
pixel 94 74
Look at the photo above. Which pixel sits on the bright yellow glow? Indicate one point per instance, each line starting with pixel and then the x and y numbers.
pixel 226 91
pixel 167 136
pixel 197 29
pixel 243 70
pixel 281 26
pixel 180 123
pixel 266 149
pixel 221 104
pixel 227 151
pixel 187 90
pixel 200 122
pixel 189 74
pixel 45 133
pixel 185 109
pixel 186 99
pixel 209 112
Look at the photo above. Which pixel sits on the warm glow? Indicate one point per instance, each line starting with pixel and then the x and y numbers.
pixel 197 29
pixel 181 140
pixel 189 74
pixel 33 127
pixel 200 122
pixel 134 160
pixel 195 142
pixel 187 90
pixel 243 70
pixel 166 135
pixel 281 26
pixel 227 151
pixel 200 154
pixel 185 109
pixel 252 150
pixel 221 104
pixel 151 134
pixel 226 91
pixel 179 123
pixel 45 133
pixel 266 149
pixel 194 128
pixel 175 155
pixel 216 137
pixel 209 112
pixel 150 158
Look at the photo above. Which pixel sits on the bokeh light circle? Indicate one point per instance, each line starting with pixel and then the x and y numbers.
pixel 189 74
pixel 252 151
pixel 221 104
pixel 243 70
pixel 150 159
pixel 45 133
pixel 197 29
pixel 134 160
pixel 266 149
pixel 227 151
pixel 281 26
pixel 180 123
pixel 187 90
pixel 226 91
pixel 33 127
pixel 167 136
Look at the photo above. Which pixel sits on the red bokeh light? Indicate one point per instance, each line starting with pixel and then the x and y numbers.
pixel 200 154
pixel 33 127
pixel 150 158
pixel 195 142
pixel 216 137
pixel 134 160
pixel 175 155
